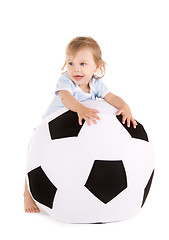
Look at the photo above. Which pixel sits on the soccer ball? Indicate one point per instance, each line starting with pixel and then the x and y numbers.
pixel 89 174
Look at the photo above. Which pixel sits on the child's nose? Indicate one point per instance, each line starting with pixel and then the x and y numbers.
pixel 76 69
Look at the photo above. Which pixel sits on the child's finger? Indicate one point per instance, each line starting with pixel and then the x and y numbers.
pixel 97 117
pixel 134 123
pixel 128 122
pixel 119 112
pixel 124 119
pixel 80 121
pixel 94 120
pixel 88 122
pixel 94 110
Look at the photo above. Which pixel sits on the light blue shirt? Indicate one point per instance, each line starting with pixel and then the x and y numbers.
pixel 97 90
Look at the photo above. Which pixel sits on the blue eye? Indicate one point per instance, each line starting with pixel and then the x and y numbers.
pixel 82 64
pixel 71 63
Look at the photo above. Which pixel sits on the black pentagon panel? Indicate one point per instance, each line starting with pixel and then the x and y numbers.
pixel 147 189
pixel 107 179
pixel 42 189
pixel 138 132
pixel 65 125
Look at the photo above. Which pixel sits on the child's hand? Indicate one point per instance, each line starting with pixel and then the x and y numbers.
pixel 88 114
pixel 126 113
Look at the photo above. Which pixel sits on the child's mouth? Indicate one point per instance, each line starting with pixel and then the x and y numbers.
pixel 78 77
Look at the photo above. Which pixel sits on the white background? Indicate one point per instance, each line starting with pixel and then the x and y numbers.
pixel 134 38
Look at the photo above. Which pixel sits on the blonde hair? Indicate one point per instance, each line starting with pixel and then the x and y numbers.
pixel 78 43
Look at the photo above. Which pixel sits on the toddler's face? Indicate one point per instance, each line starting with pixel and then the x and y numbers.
pixel 81 67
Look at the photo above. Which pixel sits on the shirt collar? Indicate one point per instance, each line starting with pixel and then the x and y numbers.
pixel 91 84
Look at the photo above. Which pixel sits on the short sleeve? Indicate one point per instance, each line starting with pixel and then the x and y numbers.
pixel 65 83
pixel 100 88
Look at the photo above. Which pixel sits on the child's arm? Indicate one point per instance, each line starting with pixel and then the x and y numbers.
pixel 83 112
pixel 122 107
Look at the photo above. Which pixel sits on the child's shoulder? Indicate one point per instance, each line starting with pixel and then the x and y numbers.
pixel 97 81
pixel 65 78
pixel 64 82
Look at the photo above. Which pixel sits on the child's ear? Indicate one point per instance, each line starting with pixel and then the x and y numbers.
pixel 97 68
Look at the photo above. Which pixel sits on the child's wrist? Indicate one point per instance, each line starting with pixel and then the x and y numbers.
pixel 125 105
pixel 80 108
